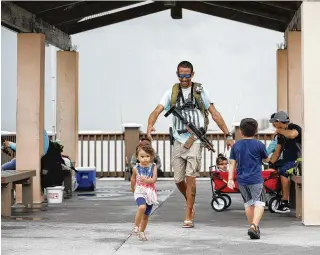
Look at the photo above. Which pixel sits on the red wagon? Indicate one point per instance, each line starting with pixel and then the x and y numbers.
pixel 220 190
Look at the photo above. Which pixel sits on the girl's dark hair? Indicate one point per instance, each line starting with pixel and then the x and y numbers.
pixel 145 139
pixel 148 149
pixel 220 158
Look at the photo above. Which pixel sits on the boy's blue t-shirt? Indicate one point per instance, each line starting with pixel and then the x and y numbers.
pixel 249 153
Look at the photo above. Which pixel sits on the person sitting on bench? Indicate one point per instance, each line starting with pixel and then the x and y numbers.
pixel 290 145
pixel 11 165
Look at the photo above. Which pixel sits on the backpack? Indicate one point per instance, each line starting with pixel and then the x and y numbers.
pixel 52 173
pixel 197 97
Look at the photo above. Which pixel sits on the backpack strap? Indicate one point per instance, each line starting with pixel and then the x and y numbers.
pixel 197 96
pixel 174 94
pixel 197 88
pixel 196 93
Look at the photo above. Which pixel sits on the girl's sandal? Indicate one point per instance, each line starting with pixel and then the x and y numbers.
pixel 135 230
pixel 142 236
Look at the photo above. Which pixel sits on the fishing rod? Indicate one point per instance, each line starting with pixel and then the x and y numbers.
pixel 233 119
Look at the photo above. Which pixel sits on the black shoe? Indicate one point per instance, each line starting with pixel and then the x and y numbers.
pixel 254 232
pixel 283 208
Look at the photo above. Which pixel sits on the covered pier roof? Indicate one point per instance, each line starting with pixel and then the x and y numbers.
pixel 74 17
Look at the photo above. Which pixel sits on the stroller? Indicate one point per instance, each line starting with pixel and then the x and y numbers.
pixel 220 190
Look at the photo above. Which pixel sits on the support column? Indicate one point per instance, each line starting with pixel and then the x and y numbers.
pixel 131 139
pixel 30 107
pixel 311 104
pixel 282 80
pixel 294 77
pixel 67 106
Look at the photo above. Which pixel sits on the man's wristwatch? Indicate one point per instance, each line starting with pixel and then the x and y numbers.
pixel 229 136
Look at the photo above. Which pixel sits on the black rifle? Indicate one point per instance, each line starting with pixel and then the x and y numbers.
pixel 171 136
pixel 199 133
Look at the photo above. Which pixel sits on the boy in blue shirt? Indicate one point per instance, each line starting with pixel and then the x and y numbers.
pixel 248 154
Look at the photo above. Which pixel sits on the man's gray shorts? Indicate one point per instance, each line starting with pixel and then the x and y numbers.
pixel 253 194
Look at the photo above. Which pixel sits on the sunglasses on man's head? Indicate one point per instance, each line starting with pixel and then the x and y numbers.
pixel 184 76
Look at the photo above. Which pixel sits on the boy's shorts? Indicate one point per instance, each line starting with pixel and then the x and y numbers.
pixel 253 194
pixel 142 201
pixel 285 167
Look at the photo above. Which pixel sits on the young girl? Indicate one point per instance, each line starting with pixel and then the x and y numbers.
pixel 144 176
pixel 222 163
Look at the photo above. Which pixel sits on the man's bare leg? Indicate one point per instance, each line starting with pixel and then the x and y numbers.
pixel 191 195
pixel 182 186
pixel 285 188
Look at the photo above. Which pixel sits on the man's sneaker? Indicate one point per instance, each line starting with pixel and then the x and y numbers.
pixel 283 208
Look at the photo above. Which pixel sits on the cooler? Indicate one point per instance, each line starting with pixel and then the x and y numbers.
pixel 86 178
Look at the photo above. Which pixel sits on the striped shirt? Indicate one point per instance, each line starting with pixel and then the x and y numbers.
pixel 193 115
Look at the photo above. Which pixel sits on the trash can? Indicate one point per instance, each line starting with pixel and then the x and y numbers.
pixel 86 178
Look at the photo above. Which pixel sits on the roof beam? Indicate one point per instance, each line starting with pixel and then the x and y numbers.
pixel 37 7
pixel 234 15
pixel 117 17
pixel 254 8
pixel 285 5
pixel 20 20
pixel 58 17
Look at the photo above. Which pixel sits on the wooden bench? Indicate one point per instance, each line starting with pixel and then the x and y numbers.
pixel 9 178
pixel 297 180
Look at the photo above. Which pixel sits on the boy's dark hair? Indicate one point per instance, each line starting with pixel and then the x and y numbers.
pixel 185 64
pixel 249 127
pixel 220 158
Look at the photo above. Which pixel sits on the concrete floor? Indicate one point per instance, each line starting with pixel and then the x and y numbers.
pixel 100 222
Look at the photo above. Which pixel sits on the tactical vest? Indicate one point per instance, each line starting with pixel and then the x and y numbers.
pixel 196 93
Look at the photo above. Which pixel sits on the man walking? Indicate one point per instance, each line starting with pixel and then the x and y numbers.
pixel 195 104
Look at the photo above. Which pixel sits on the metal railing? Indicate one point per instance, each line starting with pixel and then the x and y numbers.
pixel 106 151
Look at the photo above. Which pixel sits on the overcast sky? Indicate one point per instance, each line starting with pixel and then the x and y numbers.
pixel 125 68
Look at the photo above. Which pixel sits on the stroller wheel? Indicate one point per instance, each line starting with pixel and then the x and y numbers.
pixel 274 203
pixel 228 200
pixel 218 203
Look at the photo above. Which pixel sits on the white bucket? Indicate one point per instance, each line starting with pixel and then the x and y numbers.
pixel 55 194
